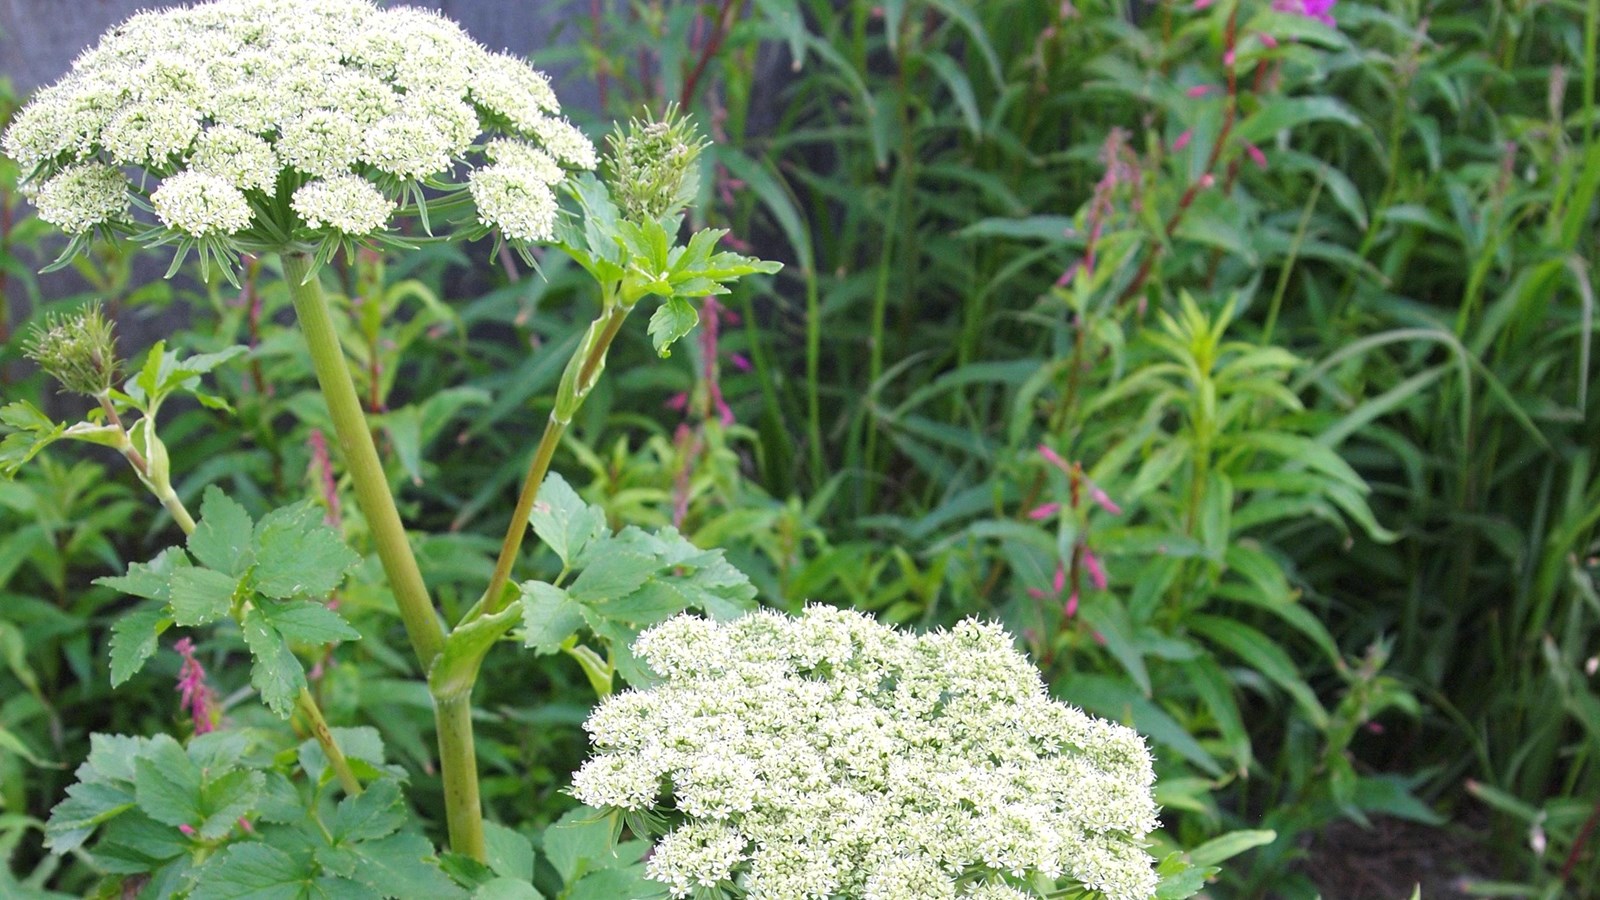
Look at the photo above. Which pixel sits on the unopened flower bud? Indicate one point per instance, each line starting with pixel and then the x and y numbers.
pixel 78 350
pixel 652 166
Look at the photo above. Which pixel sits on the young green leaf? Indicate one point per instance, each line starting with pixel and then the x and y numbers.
pixel 152 580
pixel 672 320
pixel 549 616
pixel 306 621
pixel 222 538
pixel 134 638
pixel 201 596
pixel 563 521
pixel 297 555
pixel 31 432
pixel 276 674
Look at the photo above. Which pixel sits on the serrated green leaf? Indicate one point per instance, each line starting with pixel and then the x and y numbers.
pixel 612 575
pixel 167 784
pixel 609 884
pixel 549 616
pixel 403 866
pixel 134 638
pixel 152 580
pixel 87 806
pixel 201 596
pixel 222 538
pixel 374 813
pixel 227 798
pixel 276 674
pixel 307 621
pixel 297 555
pixel 580 841
pixel 252 870
pixel 510 853
pixel 672 320
pixel 563 521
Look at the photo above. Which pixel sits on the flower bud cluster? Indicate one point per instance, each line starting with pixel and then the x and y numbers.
pixel 829 755
pixel 652 166
pixel 336 104
pixel 78 350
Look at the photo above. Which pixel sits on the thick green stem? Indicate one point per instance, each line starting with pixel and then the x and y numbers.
pixel 458 767
pixel 453 716
pixel 361 459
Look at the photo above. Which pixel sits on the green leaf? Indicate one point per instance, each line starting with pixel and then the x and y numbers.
pixel 672 320
pixel 152 580
pixel 374 813
pixel 1226 847
pixel 297 555
pixel 563 521
pixel 612 575
pixel 167 784
pixel 307 621
pixel 255 871
pixel 31 432
pixel 134 638
pixel 1284 113
pixel 226 799
pixel 510 852
pixel 609 884
pixel 362 746
pixel 1179 879
pixel 222 538
pixel 549 616
pixel 201 596
pixel 1260 653
pixel 402 866
pixel 579 842
pixel 277 675
pixel 507 889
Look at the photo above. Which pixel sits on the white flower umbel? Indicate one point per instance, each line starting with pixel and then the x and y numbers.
pixel 827 756
pixel 282 99
pixel 83 196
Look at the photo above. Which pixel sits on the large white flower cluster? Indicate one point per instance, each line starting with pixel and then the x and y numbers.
pixel 238 104
pixel 831 756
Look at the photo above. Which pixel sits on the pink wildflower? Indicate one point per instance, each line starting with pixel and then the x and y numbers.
pixel 193 692
pixel 1040 513
pixel 1097 572
pixel 740 361
pixel 1268 41
pixel 1202 5
pixel 1228 59
pixel 1071 609
pixel 1054 458
pixel 188 830
pixel 1059 581
pixel 678 401
pixel 1183 141
pixel 1102 499
pixel 1321 10
pixel 1197 91
pixel 1256 156
pixel 322 471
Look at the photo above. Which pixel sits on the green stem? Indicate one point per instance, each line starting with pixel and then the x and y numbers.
pixel 590 359
pixel 458 768
pixel 319 728
pixel 361 459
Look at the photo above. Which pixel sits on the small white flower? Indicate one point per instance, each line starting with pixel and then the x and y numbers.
pixel 149 134
pixel 82 197
pixel 237 156
pixel 696 855
pixel 321 142
pixel 251 92
pixel 565 142
pixel 201 205
pixel 515 200
pixel 347 203
pixel 861 761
